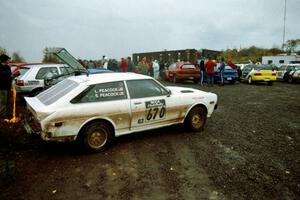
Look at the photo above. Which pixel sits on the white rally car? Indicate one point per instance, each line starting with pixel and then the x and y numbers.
pixel 96 108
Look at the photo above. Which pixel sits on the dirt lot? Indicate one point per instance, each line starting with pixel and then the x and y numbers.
pixel 250 149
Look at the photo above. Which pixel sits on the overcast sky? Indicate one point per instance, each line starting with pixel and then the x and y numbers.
pixel 89 29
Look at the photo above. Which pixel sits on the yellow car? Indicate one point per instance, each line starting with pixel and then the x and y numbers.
pixel 259 73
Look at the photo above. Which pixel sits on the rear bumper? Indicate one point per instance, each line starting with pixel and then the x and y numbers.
pixel 263 78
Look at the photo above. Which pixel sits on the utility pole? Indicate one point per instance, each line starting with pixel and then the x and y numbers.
pixel 284 19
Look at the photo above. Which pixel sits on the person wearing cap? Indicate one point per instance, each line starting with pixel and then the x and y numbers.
pixel 5 87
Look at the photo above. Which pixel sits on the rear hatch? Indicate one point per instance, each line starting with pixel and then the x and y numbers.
pixel 189 69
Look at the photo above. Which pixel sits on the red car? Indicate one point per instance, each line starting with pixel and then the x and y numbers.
pixel 182 71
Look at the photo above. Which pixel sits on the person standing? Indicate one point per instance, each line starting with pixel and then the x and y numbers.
pixel 209 68
pixel 5 87
pixel 142 67
pixel 129 65
pixel 123 65
pixel 222 69
pixel 202 72
pixel 155 67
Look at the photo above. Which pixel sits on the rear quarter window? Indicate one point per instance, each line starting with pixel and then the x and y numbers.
pixel 102 92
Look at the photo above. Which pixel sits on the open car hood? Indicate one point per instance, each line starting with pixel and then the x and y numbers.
pixel 67 58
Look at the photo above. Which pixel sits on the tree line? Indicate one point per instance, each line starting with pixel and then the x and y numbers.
pixel 244 55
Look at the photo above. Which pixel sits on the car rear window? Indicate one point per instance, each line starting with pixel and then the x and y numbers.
pixel 188 67
pixel 23 70
pixel 57 91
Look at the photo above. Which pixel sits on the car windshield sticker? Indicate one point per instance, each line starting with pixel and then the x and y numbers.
pixel 109 92
pixel 155 110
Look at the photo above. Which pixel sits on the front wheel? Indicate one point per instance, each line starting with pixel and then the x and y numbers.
pixel 196 119
pixel 97 136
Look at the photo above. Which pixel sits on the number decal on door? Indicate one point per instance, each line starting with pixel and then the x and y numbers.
pixel 155 110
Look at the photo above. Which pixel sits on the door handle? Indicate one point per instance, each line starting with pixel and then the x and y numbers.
pixel 137 103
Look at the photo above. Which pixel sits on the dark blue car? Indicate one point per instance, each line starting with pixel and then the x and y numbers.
pixel 230 75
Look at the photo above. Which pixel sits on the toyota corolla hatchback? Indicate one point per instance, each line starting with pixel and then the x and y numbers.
pixel 96 108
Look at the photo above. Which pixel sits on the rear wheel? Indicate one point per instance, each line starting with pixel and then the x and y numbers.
pixel 97 136
pixel 196 119
pixel 290 79
pixel 36 92
pixel 250 80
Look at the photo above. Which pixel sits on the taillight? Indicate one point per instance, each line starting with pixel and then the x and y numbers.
pixel 257 74
pixel 20 83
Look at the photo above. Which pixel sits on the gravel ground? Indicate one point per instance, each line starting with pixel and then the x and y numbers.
pixel 249 149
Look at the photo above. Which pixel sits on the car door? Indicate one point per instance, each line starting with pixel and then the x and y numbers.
pixel 151 105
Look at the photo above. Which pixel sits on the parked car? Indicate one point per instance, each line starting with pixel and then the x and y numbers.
pixel 182 71
pixel 96 108
pixel 258 73
pixel 31 82
pixel 230 75
pixel 289 73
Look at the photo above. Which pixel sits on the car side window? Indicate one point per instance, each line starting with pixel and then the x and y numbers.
pixel 66 70
pixel 46 71
pixel 145 88
pixel 102 92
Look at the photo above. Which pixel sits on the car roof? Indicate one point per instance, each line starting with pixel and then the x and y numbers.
pixel 108 77
pixel 44 65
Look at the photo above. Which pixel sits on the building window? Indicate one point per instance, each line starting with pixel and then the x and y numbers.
pixel 270 61
pixel 281 61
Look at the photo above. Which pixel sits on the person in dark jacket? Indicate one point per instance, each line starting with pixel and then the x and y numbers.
pixel 202 72
pixel 5 87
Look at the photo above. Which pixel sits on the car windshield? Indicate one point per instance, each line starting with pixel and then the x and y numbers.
pixel 57 91
pixel 23 70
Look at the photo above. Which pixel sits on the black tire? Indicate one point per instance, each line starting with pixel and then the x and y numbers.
pixel 36 92
pixel 250 80
pixel 97 136
pixel 232 82
pixel 290 79
pixel 174 79
pixel 196 119
pixel 270 83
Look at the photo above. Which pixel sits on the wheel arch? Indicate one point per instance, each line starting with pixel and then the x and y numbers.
pixel 95 120
pixel 35 91
pixel 201 105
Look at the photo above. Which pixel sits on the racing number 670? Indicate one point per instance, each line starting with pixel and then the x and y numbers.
pixel 153 112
